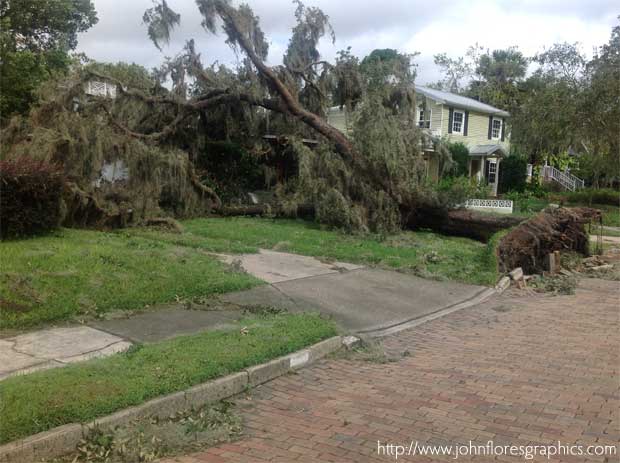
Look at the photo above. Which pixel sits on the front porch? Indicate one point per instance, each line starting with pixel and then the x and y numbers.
pixel 484 164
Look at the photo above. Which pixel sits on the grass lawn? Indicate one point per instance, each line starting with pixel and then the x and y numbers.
pixel 85 391
pixel 611 215
pixel 609 232
pixel 76 272
pixel 424 253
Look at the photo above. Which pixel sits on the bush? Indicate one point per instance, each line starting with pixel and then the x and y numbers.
pixel 460 156
pixel 513 174
pixel 456 190
pixel 30 197
pixel 591 196
pixel 231 170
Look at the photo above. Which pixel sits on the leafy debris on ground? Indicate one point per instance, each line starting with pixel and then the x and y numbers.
pixel 147 440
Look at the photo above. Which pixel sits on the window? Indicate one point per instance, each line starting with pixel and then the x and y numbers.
pixel 458 119
pixel 424 118
pixel 492 171
pixel 496 129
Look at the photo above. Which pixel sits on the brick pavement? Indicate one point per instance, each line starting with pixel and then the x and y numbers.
pixel 516 370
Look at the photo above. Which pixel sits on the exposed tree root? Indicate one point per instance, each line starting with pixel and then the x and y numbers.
pixel 561 229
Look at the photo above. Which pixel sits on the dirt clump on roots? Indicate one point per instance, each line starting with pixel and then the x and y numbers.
pixel 554 229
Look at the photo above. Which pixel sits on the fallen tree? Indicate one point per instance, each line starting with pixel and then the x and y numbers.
pixel 559 229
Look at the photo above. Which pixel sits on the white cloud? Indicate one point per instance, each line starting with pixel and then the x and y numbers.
pixel 407 25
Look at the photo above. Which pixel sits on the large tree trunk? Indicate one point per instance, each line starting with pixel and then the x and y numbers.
pixel 459 222
pixel 455 223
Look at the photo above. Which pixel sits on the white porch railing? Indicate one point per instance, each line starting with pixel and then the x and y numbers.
pixel 568 181
pixel 503 206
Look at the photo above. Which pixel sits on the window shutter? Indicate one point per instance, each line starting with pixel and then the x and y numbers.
pixel 503 128
pixel 490 126
pixel 450 119
pixel 465 123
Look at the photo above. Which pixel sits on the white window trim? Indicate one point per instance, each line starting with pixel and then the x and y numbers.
pixel 460 132
pixel 430 119
pixel 501 127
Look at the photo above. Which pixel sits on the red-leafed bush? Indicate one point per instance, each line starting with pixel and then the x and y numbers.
pixel 30 197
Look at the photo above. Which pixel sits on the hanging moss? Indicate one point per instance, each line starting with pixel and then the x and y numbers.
pixel 113 179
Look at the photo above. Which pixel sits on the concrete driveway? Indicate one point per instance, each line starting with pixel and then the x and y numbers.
pixel 361 300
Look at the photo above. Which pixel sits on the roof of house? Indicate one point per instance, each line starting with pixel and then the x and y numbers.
pixel 486 150
pixel 460 101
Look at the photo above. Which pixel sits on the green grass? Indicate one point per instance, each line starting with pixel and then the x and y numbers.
pixel 607 232
pixel 74 272
pixel 424 253
pixel 611 215
pixel 83 273
pixel 85 391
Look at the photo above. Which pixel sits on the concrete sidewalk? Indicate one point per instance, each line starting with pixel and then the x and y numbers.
pixel 358 299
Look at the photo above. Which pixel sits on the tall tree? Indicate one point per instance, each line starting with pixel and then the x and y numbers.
pixel 600 114
pixel 35 39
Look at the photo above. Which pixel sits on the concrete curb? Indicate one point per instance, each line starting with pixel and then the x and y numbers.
pixel 62 440
pixel 476 299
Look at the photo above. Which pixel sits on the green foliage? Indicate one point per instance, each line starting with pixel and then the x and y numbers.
pixel 46 24
pixel 335 210
pixel 79 272
pixel 131 75
pixel 31 194
pixel 21 74
pixel 513 174
pixel 460 157
pixel 230 169
pixel 35 38
pixel 454 71
pixel 600 114
pixel 387 66
pixel 82 392
pixel 593 196
pixel 529 201
pixel 453 191
pixel 160 20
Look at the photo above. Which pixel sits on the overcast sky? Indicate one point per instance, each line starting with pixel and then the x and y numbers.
pixel 427 27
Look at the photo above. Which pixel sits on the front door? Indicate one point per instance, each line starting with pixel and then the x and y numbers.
pixel 491 174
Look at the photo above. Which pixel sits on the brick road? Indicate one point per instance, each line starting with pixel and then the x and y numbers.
pixel 517 370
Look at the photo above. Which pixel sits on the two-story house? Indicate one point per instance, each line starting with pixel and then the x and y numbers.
pixel 481 127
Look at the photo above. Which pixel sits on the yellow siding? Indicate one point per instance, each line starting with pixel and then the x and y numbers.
pixel 477 131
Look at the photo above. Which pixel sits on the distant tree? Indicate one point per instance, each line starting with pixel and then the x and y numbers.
pixel 387 66
pixel 454 71
pixel 36 37
pixel 498 73
pixel 599 114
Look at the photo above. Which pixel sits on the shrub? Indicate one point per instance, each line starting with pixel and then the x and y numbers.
pixel 456 190
pixel 460 156
pixel 513 174
pixel 30 197
pixel 591 196
pixel 230 169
